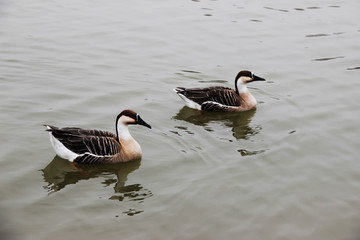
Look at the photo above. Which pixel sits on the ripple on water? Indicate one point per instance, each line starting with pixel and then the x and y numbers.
pixel 353 68
pixel 327 58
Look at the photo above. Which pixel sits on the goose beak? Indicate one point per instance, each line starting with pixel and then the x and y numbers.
pixel 257 78
pixel 142 122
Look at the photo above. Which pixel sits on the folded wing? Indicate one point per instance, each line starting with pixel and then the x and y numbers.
pixel 222 95
pixel 81 141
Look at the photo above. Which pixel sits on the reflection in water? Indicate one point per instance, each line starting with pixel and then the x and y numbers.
pixel 239 122
pixel 245 152
pixel 60 172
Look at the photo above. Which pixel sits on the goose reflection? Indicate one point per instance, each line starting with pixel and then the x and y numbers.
pixel 239 122
pixel 59 173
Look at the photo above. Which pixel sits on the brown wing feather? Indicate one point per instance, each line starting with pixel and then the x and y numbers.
pixel 216 107
pixel 80 141
pixel 93 159
pixel 223 95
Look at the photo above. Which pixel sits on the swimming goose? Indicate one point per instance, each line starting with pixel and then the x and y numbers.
pixel 97 146
pixel 222 99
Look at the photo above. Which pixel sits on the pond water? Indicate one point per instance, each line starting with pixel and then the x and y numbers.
pixel 287 170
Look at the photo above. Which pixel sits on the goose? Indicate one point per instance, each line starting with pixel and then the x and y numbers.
pixel 98 146
pixel 222 99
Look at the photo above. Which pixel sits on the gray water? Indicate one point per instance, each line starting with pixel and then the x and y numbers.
pixel 288 170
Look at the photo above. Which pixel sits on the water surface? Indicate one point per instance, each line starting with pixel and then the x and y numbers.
pixel 287 170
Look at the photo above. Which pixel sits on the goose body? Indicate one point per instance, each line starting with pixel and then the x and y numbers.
pixel 222 99
pixel 98 146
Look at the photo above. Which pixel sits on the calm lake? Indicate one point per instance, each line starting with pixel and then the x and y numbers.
pixel 288 170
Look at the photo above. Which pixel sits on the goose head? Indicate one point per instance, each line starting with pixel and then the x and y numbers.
pixel 244 77
pixel 127 117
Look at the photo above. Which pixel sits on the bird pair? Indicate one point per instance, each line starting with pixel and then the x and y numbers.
pixel 97 146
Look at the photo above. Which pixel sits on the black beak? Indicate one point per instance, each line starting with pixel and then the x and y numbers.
pixel 142 122
pixel 257 78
